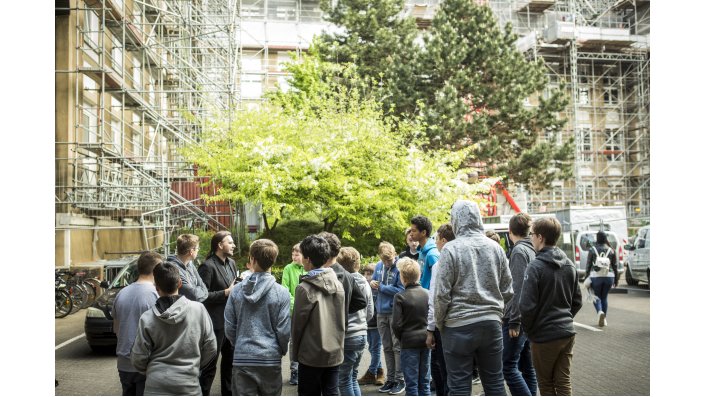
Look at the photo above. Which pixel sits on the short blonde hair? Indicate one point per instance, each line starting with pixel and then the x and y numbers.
pixel 369 268
pixel 409 270
pixel 386 251
pixel 349 259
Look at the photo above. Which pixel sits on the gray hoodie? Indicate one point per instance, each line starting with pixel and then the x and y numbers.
pixel 473 281
pixel 172 346
pixel 522 253
pixel 257 321
pixel 357 322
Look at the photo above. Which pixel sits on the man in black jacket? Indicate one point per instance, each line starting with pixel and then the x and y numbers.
pixel 550 298
pixel 218 273
pixel 354 296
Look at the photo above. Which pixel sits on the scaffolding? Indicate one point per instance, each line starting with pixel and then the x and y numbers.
pixel 136 80
pixel 600 50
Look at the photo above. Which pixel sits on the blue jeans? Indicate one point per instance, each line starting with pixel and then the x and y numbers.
pixel 375 342
pixel 462 345
pixel 602 287
pixel 516 364
pixel 416 364
pixel 352 354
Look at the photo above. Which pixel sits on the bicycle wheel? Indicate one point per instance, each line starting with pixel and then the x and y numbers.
pixel 90 294
pixel 63 303
pixel 95 283
pixel 77 295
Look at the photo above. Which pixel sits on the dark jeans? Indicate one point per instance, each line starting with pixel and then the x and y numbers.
pixel 257 381
pixel 462 346
pixel 347 373
pixel 225 348
pixel 314 381
pixel 602 287
pixel 375 348
pixel 132 383
pixel 516 364
pixel 438 366
pixel 416 364
pixel 552 361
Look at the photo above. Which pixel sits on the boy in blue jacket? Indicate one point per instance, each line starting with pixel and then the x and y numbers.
pixel 387 282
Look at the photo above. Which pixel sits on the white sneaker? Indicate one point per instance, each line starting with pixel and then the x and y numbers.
pixel 601 322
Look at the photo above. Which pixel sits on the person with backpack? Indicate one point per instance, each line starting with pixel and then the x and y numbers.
pixel 603 273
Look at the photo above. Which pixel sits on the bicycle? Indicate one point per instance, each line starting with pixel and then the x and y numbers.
pixel 76 290
pixel 63 304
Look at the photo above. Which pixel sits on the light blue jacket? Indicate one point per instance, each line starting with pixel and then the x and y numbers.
pixel 428 256
pixel 389 285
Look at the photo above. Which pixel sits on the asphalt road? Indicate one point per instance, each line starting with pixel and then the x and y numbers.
pixel 614 360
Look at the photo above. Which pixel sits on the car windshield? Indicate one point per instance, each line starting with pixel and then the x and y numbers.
pixel 587 240
pixel 127 276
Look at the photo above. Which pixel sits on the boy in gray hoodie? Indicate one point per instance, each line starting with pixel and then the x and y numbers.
pixel 258 326
pixel 472 285
pixel 175 337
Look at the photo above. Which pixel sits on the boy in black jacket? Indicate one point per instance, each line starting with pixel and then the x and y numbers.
pixel 409 321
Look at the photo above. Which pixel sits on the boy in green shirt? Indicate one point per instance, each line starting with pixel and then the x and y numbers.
pixel 290 279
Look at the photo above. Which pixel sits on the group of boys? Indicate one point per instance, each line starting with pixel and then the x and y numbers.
pixel 459 304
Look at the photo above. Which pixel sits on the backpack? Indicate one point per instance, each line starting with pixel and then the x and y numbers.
pixel 602 262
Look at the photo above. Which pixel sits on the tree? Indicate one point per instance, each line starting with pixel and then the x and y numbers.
pixel 333 156
pixel 472 85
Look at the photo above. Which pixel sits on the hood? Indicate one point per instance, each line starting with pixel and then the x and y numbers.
pixel 430 244
pixel 325 281
pixel 525 242
pixel 174 313
pixel 256 285
pixel 465 218
pixel 553 256
pixel 175 259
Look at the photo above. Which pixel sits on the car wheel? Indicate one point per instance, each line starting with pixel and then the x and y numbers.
pixel 630 280
pixel 648 277
pixel 106 350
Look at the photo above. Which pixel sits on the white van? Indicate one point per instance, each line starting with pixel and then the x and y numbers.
pixel 638 262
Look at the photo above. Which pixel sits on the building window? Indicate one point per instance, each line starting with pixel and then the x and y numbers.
pixel 583 91
pixel 614 138
pixel 137 74
pixel 88 131
pixel 586 192
pixel 557 189
pixel 616 194
pixel 610 90
pixel 585 142
pixel 92 29
pixel 116 54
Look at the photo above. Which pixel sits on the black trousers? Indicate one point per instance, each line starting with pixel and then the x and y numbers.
pixel 225 349
pixel 314 381
pixel 132 383
pixel 438 366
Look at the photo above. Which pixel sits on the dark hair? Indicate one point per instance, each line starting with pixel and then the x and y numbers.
pixel 601 238
pixel 333 243
pixel 316 249
pixel 264 252
pixel 146 263
pixel 166 277
pixel 185 243
pixel 520 224
pixel 446 231
pixel 217 238
pixel 548 228
pixel 422 224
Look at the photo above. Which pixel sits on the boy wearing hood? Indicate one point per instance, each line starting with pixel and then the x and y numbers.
pixel 258 326
pixel 471 287
pixel 175 337
pixel 318 323
pixel 550 298
pixel 516 356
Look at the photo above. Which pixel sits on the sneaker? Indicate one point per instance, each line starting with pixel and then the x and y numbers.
pixel 379 381
pixel 294 378
pixel 368 379
pixel 601 321
pixel 387 387
pixel 476 380
pixel 399 388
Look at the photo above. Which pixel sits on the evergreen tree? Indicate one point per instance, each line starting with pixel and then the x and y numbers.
pixel 471 87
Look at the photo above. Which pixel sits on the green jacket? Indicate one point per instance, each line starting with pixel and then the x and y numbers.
pixel 290 279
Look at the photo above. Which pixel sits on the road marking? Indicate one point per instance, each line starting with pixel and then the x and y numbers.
pixel 587 327
pixel 69 341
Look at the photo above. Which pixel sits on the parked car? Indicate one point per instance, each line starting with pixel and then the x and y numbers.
pixel 638 264
pixel 99 321
pixel 578 244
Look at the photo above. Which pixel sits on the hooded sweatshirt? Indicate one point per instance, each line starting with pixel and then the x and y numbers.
pixel 174 341
pixel 257 321
pixel 522 253
pixel 473 282
pixel 318 323
pixel 192 285
pixel 357 322
pixel 550 297
pixel 428 256
pixel 389 285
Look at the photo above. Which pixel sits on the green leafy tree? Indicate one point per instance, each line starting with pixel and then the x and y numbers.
pixel 341 162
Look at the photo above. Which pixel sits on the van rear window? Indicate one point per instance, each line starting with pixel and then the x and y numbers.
pixel 588 240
